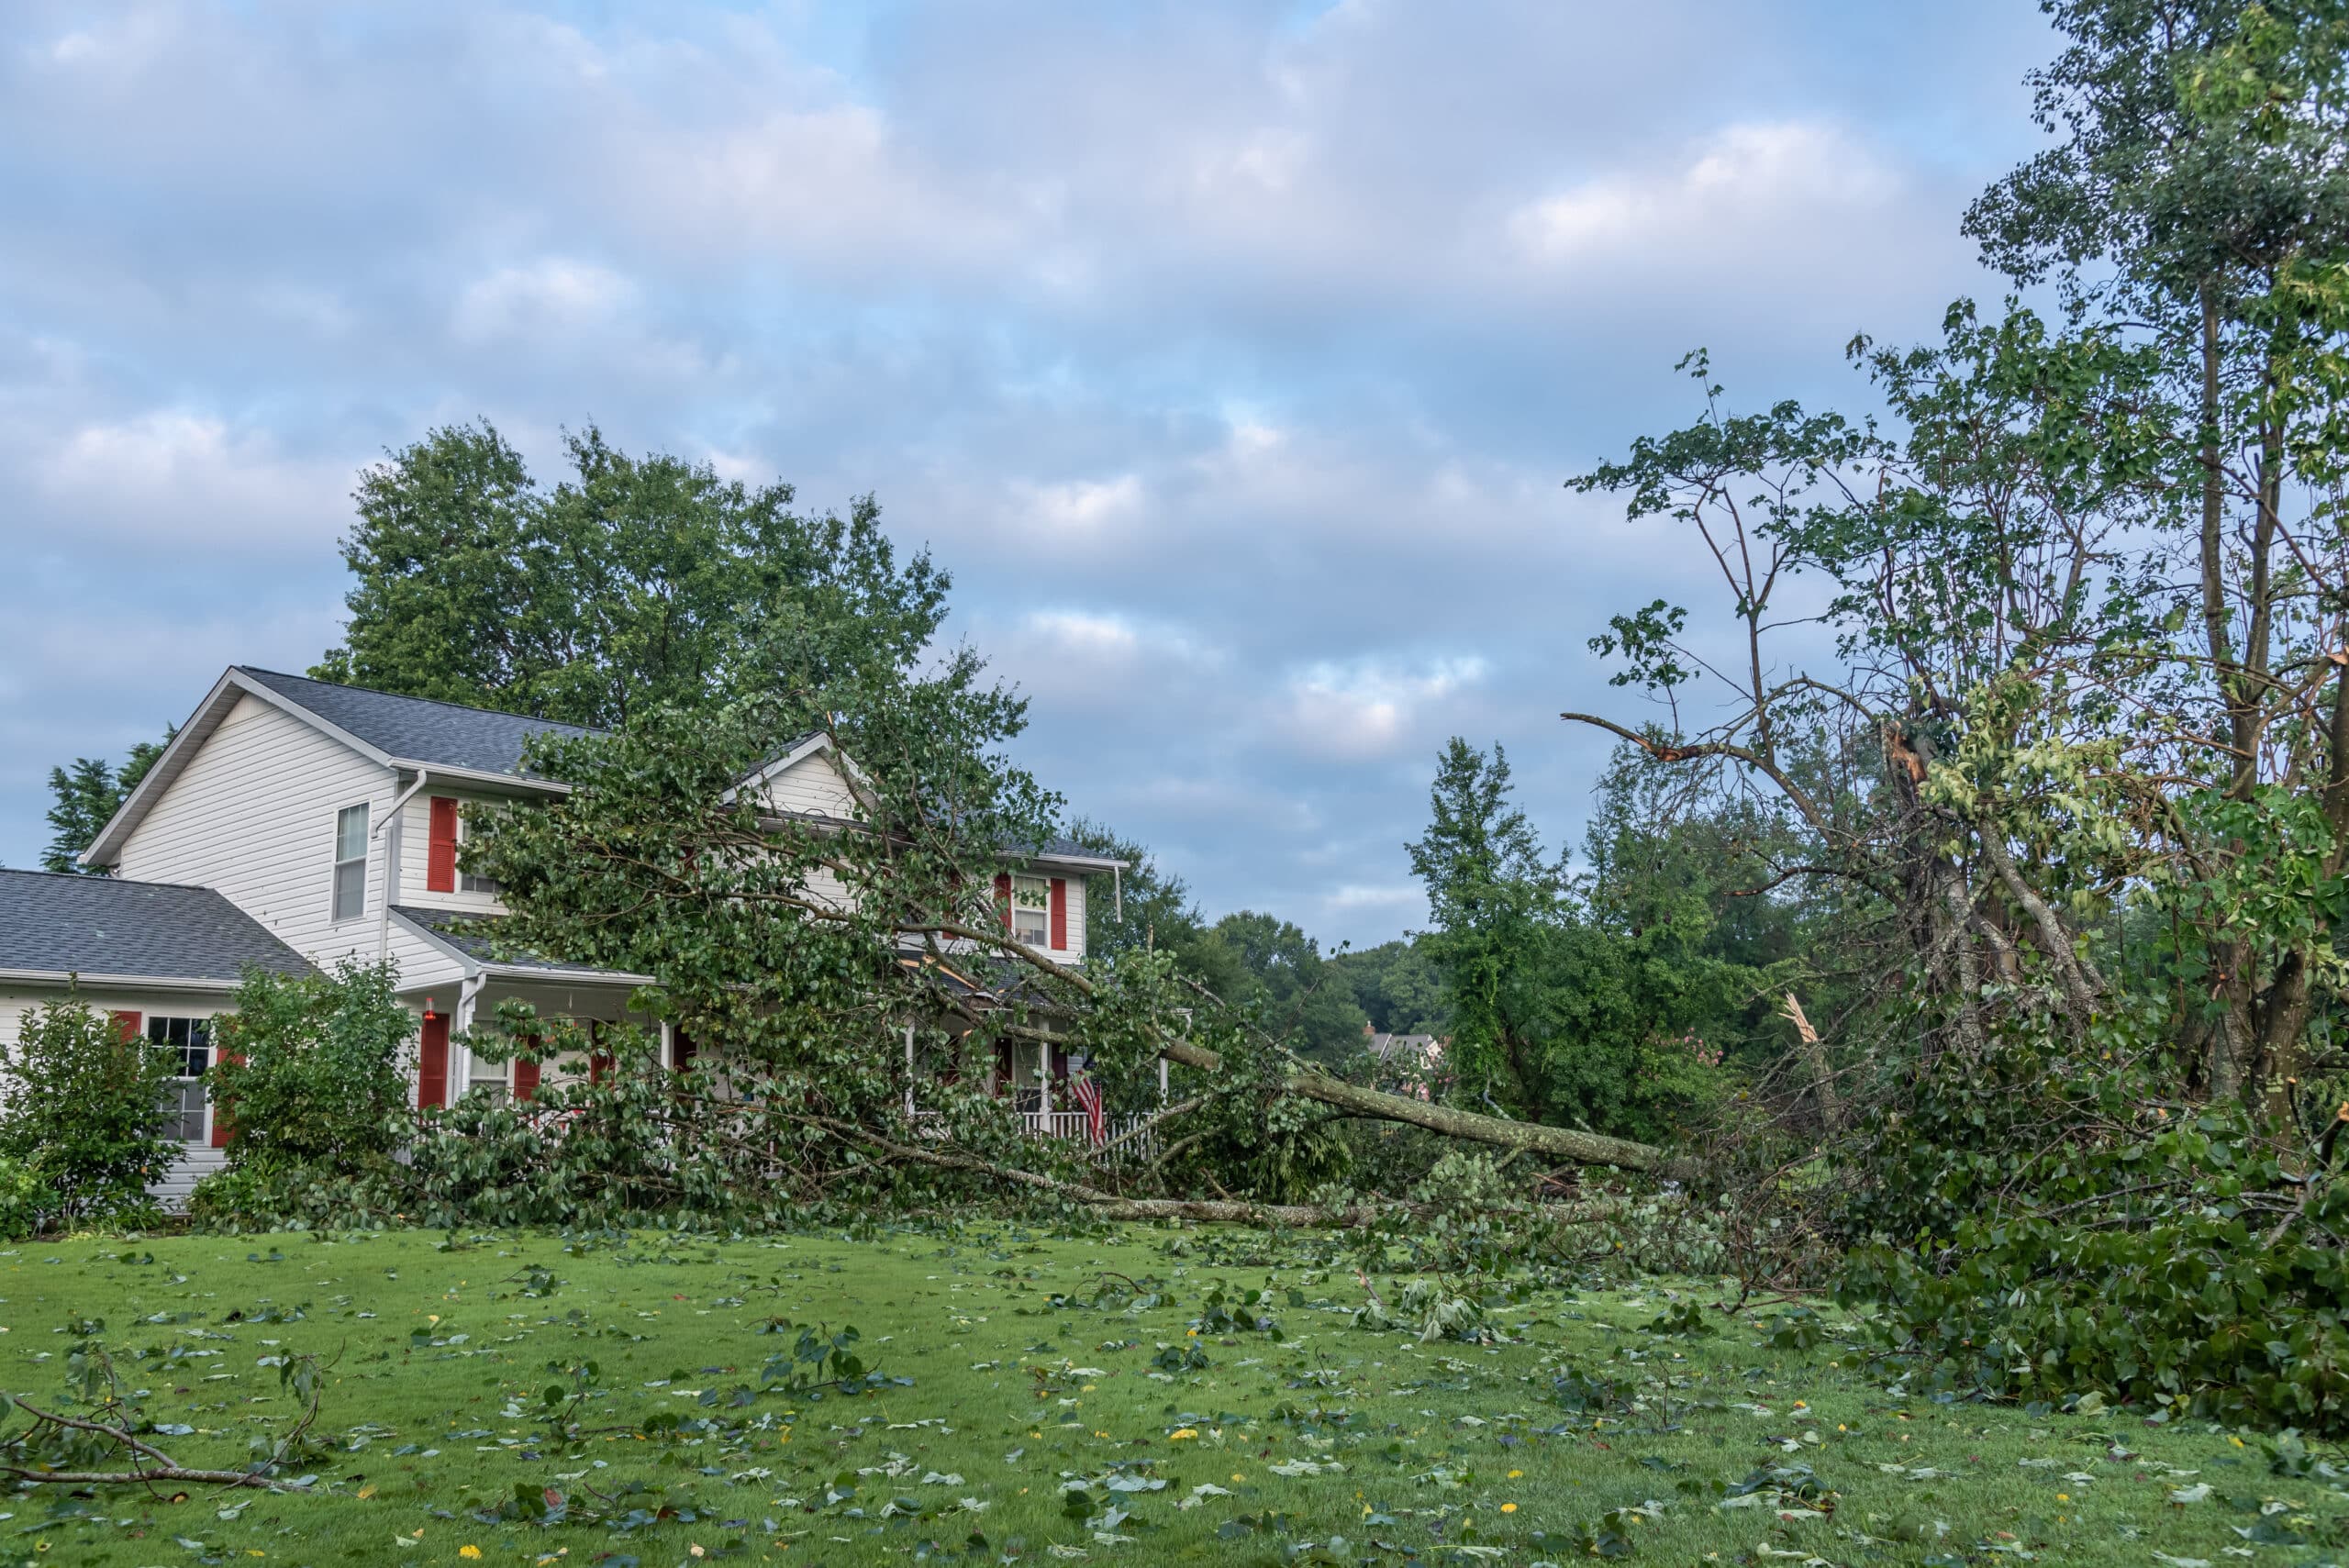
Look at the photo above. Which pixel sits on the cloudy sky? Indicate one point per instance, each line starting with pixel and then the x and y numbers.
pixel 1231 355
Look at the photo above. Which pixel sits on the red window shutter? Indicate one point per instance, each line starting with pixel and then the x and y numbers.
pixel 599 1062
pixel 432 1063
pixel 1060 914
pixel 440 855
pixel 126 1025
pixel 682 1054
pixel 224 1126
pixel 1003 896
pixel 526 1077
pixel 1002 1066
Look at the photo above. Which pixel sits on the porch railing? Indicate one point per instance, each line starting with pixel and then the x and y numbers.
pixel 1076 1128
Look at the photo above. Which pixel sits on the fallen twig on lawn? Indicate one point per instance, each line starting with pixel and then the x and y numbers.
pixel 161 1465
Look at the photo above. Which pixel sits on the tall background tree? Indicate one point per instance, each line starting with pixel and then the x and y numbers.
pixel 632 582
pixel 84 797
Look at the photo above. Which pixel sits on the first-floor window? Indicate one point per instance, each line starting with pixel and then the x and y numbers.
pixel 186 1044
pixel 488 1078
pixel 1031 905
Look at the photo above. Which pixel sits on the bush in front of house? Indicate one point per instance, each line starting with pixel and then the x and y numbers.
pixel 85 1115
pixel 311 1071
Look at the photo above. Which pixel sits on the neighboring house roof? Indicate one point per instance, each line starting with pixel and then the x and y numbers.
pixel 418 729
pixel 1424 1048
pixel 472 937
pixel 102 928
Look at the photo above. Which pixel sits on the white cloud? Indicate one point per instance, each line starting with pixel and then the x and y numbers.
pixel 1089 636
pixel 1075 510
pixel 552 295
pixel 1779 175
pixel 177 475
pixel 1369 709
pixel 1393 895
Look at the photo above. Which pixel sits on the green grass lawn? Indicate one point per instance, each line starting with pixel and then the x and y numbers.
pixel 1438 1452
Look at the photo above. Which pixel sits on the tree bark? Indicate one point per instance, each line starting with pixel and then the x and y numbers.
pixel 1557 1142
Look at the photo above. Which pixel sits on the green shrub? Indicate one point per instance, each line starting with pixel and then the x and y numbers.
pixel 23 1200
pixel 2040 1225
pixel 84 1114
pixel 311 1068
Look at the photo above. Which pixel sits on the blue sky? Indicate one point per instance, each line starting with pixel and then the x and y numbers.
pixel 1232 356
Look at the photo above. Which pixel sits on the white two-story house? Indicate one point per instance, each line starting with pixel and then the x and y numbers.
pixel 295 823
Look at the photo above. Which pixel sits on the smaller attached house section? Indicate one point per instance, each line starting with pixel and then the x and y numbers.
pixel 162 959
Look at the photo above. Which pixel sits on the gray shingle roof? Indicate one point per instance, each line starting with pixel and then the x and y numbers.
pixel 416 730
pixel 475 936
pixel 99 924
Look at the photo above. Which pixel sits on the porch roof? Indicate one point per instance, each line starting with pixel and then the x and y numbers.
pixel 471 937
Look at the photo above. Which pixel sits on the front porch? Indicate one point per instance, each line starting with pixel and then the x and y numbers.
pixel 1041 1082
pixel 446 1070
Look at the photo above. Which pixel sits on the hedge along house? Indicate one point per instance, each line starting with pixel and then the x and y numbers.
pixel 328 818
pixel 162 959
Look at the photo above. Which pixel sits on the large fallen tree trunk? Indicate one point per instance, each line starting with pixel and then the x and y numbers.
pixel 1306 1082
pixel 1110 1206
pixel 1557 1142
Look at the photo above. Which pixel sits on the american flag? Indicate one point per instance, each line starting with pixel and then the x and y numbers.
pixel 1088 1095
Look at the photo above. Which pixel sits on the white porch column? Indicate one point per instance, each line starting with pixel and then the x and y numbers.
pixel 909 1070
pixel 460 1059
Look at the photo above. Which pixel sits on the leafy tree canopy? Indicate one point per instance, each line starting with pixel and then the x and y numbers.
pixel 84 797
pixel 632 582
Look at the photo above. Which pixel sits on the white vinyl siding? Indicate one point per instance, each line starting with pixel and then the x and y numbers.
pixel 812 787
pixel 1075 949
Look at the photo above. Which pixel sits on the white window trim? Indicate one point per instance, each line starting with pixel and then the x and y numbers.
pixel 1025 887
pixel 478 886
pixel 181 1078
pixel 335 914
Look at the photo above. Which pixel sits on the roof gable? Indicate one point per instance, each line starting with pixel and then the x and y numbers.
pixel 389 730
pixel 416 730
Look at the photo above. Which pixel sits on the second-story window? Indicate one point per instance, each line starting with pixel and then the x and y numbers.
pixel 466 880
pixel 1031 903
pixel 351 862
